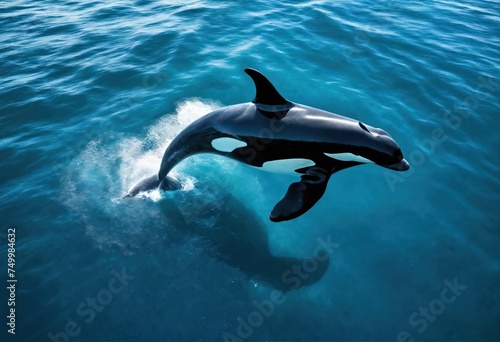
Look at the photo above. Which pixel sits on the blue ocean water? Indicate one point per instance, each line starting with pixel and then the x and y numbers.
pixel 92 93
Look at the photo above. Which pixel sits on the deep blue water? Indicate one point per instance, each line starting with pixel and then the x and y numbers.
pixel 91 94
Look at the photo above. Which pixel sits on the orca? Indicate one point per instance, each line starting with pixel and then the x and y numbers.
pixel 278 135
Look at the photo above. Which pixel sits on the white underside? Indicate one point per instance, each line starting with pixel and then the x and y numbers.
pixel 287 166
pixel 349 157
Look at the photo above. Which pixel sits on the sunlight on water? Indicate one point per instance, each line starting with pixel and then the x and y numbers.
pixel 93 93
pixel 89 177
pixel 92 191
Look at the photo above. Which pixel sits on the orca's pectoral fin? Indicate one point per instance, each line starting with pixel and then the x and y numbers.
pixel 301 196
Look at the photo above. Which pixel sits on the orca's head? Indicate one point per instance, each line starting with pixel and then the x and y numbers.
pixel 382 149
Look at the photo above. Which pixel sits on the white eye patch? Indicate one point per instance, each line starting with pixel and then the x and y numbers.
pixel 227 144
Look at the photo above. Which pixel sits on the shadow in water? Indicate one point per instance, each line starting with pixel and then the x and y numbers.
pixel 228 231
pixel 232 234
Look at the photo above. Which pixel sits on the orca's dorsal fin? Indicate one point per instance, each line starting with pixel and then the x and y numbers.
pixel 267 98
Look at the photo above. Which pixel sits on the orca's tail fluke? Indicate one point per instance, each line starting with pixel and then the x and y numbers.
pixel 152 183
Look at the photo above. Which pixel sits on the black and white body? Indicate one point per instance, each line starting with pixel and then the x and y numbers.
pixel 280 136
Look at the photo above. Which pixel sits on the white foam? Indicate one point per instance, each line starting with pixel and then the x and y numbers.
pixel 190 110
pixel 97 178
pixel 139 162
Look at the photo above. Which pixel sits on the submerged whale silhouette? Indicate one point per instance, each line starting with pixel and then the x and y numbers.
pixel 277 135
pixel 233 235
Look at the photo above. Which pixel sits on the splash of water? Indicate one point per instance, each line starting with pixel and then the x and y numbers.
pixel 95 180
pixel 139 162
